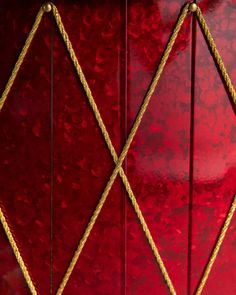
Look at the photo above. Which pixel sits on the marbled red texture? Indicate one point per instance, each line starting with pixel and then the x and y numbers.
pixel 82 163
pixel 214 168
pixel 158 161
pixel 55 163
pixel 25 148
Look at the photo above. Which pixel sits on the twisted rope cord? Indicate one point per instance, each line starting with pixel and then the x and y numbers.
pixel 215 53
pixel 232 92
pixel 127 145
pixel 17 253
pixel 217 247
pixel 111 147
pixel 3 98
pixel 124 152
pixel 21 57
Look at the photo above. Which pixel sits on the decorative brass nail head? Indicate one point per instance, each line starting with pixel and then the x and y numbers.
pixel 47 7
pixel 193 7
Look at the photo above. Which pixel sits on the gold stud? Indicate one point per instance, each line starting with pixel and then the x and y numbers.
pixel 193 7
pixel 47 7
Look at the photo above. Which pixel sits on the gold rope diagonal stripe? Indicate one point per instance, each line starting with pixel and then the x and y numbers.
pixel 21 57
pixel 17 253
pixel 3 98
pixel 145 228
pixel 215 53
pixel 112 150
pixel 232 92
pixel 217 247
pixel 113 153
pixel 124 152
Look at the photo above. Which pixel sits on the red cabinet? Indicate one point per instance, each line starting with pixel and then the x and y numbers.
pixel 55 163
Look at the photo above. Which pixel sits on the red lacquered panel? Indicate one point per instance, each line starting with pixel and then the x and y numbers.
pixel 11 278
pixel 158 161
pixel 25 149
pixel 82 163
pixel 54 162
pixel 214 169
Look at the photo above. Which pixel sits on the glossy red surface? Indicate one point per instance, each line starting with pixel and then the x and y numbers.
pixel 158 161
pixel 82 163
pixel 25 149
pixel 214 167
pixel 54 162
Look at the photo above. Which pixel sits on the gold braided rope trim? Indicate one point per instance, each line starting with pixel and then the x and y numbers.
pixel 217 247
pixel 215 53
pixel 3 98
pixel 17 253
pixel 232 92
pixel 119 161
pixel 21 57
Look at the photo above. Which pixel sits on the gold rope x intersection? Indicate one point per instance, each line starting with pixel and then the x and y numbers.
pixel 119 160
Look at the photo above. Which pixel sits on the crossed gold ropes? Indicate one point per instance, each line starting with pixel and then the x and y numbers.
pixel 119 160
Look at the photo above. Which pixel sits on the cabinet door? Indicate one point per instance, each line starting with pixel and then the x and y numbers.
pixel 177 180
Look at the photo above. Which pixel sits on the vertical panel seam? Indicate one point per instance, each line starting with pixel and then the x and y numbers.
pixel 191 154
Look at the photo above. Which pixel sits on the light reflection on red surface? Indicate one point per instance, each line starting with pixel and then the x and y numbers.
pixel 118 45
pixel 214 170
